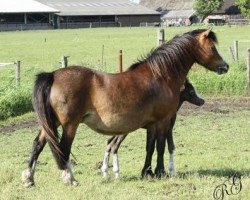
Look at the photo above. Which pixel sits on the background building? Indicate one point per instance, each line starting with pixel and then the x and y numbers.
pixel 38 14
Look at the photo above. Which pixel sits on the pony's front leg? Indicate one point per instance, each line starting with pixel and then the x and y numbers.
pixel 171 147
pixel 171 165
pixel 150 146
pixel 160 146
pixel 115 148
pixel 38 145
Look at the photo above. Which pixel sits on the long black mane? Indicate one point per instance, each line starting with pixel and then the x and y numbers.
pixel 173 56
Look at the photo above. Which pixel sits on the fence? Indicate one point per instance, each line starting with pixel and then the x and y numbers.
pixel 66 25
pixel 18 64
pixel 16 26
pixel 248 71
pixel 238 21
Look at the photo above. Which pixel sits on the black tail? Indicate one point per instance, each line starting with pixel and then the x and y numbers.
pixel 46 117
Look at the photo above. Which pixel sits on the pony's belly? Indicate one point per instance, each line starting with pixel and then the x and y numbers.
pixel 113 124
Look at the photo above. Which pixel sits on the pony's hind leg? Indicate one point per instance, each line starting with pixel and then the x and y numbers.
pixel 38 145
pixel 105 163
pixel 115 148
pixel 65 146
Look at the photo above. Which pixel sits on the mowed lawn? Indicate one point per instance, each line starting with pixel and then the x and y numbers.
pixel 212 144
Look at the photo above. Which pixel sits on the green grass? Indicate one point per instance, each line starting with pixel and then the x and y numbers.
pixel 42 50
pixel 210 147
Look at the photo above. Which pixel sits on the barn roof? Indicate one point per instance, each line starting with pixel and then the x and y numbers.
pixel 98 7
pixel 178 14
pixel 168 4
pixel 24 6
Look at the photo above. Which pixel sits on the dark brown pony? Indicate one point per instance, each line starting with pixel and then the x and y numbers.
pixel 188 94
pixel 115 104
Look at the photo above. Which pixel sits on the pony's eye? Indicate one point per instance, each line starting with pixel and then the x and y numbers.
pixel 213 48
pixel 192 92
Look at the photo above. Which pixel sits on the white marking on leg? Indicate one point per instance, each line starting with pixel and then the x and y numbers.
pixel 171 165
pixel 67 175
pixel 105 164
pixel 28 175
pixel 116 165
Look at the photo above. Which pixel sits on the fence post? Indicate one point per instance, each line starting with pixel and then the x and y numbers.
pixel 248 71
pixel 64 61
pixel 102 53
pixel 232 53
pixel 161 37
pixel 236 48
pixel 18 63
pixel 120 61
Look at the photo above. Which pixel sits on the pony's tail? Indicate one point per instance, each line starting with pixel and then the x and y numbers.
pixel 45 115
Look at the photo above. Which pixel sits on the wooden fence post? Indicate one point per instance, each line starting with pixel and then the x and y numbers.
pixel 248 71
pixel 102 53
pixel 232 53
pixel 161 37
pixel 64 61
pixel 236 48
pixel 120 61
pixel 18 63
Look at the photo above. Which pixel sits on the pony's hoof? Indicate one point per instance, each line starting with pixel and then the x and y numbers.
pixel 160 173
pixel 105 174
pixel 116 175
pixel 71 182
pixel 29 184
pixel 148 174
pixel 172 173
pixel 27 178
pixel 75 183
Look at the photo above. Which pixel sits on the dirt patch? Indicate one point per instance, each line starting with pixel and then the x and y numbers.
pixel 16 126
pixel 221 106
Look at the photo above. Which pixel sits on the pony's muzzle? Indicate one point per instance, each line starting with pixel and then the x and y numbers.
pixel 223 68
pixel 198 101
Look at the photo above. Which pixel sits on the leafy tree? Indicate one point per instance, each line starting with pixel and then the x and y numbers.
pixel 244 6
pixel 205 7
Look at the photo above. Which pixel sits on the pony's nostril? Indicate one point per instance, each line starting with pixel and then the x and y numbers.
pixel 223 68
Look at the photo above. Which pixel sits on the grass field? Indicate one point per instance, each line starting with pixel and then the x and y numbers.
pixel 212 142
pixel 42 50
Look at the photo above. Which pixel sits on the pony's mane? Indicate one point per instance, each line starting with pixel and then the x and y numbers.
pixel 172 56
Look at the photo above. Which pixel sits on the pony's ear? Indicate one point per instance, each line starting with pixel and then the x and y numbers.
pixel 210 34
pixel 206 33
pixel 182 87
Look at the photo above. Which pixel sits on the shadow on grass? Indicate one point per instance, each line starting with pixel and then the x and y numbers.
pixel 225 172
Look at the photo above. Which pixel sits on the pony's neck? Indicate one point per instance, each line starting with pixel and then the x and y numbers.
pixel 183 75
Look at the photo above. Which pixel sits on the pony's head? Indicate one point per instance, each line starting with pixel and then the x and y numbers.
pixel 208 55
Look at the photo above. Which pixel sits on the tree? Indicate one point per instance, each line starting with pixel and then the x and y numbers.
pixel 244 6
pixel 205 7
